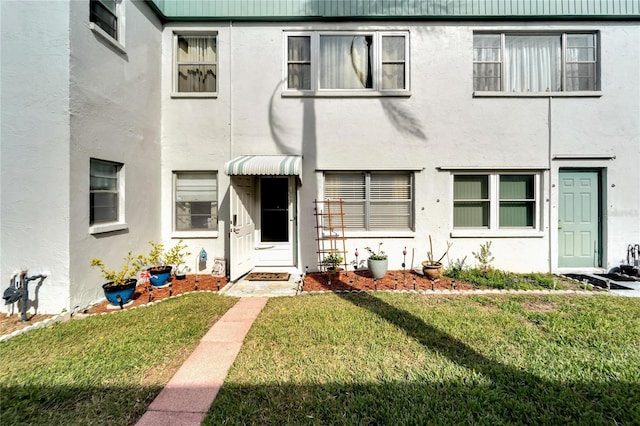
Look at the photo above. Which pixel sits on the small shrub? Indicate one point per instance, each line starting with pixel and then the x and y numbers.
pixel 495 278
pixel 456 268
pixel 484 256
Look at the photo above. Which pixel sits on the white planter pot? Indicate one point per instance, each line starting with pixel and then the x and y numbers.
pixel 378 268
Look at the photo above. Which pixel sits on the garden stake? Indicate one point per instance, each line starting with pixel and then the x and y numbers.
pixel 453 284
pixel 404 265
pixel 218 285
pixel 432 289
pixel 414 283
pixel 375 284
pixel 145 275
pixel 355 266
pixel 396 284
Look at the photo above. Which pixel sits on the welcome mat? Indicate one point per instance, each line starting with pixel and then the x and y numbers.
pixel 268 276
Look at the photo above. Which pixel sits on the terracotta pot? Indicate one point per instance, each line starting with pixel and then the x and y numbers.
pixel 333 271
pixel 432 271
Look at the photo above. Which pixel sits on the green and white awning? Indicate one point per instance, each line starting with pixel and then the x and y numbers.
pixel 265 165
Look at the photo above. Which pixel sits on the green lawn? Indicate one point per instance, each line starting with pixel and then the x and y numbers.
pixel 102 370
pixel 368 358
pixel 412 359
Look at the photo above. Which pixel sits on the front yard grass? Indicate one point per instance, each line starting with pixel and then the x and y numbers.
pixel 381 358
pixel 102 370
pixel 366 358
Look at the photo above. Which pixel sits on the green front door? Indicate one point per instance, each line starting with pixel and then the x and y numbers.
pixel 579 219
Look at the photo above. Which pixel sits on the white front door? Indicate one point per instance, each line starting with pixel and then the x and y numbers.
pixel 242 229
pixel 276 233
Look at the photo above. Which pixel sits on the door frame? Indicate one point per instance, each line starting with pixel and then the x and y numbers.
pixel 601 222
pixel 292 259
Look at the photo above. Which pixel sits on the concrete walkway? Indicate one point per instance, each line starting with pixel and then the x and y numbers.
pixel 187 397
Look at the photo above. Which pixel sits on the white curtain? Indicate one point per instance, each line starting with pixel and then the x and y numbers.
pixel 345 62
pixel 196 64
pixel 533 64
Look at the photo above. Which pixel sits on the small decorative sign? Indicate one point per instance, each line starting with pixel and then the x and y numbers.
pixel 219 267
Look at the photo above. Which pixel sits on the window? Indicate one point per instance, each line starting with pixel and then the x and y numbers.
pixel 495 200
pixel 535 63
pixel 196 64
pixel 196 201
pixel 354 62
pixel 373 200
pixel 105 192
pixel 104 15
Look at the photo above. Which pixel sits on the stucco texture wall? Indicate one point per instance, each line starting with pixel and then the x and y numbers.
pixel 115 116
pixel 34 154
pixel 440 127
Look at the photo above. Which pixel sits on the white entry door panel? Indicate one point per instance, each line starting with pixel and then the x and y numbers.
pixel 242 235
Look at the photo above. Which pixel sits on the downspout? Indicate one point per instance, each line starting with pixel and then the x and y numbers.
pixel 549 154
pixel 230 90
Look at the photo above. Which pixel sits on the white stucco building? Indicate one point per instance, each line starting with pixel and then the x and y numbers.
pixel 221 123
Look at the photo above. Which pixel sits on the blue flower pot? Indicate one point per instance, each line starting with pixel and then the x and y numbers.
pixel 119 295
pixel 159 275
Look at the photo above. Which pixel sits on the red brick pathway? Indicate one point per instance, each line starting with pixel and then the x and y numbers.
pixel 187 397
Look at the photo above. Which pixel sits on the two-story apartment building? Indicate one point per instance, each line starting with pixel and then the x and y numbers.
pixel 222 123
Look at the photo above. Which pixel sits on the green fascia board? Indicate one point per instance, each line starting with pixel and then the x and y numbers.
pixel 293 10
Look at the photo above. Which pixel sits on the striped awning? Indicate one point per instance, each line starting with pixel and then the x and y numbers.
pixel 270 165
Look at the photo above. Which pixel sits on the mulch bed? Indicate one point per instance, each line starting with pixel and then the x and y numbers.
pixel 146 293
pixel 393 280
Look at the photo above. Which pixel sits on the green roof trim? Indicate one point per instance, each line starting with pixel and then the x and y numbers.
pixel 188 10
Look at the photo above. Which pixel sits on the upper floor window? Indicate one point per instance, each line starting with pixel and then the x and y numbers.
pixel 196 201
pixel 535 62
pixel 345 61
pixel 104 14
pixel 496 201
pixel 373 201
pixel 105 192
pixel 196 64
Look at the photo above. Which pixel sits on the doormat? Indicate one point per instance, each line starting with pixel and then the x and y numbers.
pixel 268 276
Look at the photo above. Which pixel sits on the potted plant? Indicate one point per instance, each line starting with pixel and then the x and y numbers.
pixel 432 268
pixel 121 284
pixel 180 272
pixel 162 262
pixel 377 262
pixel 332 260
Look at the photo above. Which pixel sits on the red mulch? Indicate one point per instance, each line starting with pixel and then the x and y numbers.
pixel 393 280
pixel 146 293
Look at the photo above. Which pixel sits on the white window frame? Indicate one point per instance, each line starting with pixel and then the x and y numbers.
pixel 368 232
pixel 120 223
pixel 174 64
pixel 118 42
pixel 199 232
pixel 376 90
pixel 494 200
pixel 563 46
